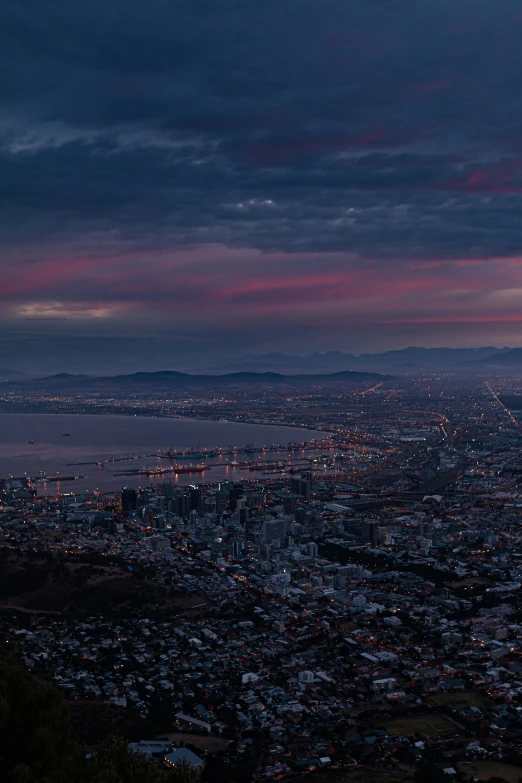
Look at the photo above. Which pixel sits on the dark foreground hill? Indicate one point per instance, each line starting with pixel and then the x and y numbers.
pixel 81 587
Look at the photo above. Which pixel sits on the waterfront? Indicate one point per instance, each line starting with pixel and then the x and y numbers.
pixel 64 444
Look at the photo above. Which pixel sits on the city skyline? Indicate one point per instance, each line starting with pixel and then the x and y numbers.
pixel 190 182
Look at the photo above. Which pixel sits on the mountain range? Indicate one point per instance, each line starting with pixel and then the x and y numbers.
pixel 156 381
pixel 407 360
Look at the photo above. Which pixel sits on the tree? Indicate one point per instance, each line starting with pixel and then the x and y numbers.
pixel 113 762
pixel 183 772
pixel 429 773
pixel 35 744
pixel 36 747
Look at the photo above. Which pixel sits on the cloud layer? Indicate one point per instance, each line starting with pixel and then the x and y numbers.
pixel 248 175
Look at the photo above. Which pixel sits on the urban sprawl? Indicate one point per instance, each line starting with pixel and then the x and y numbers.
pixel 358 607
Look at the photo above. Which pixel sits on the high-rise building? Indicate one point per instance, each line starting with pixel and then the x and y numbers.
pixel 234 493
pixel 301 515
pixel 180 504
pixel 302 485
pixel 147 514
pixel 221 500
pixel 274 530
pixel 129 500
pixel 171 490
pixel 196 498
pixel 370 531
pixel 238 548
pixel 289 503
pixel 256 500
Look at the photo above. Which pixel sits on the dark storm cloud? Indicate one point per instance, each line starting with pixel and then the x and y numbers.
pixel 382 205
pixel 168 115
pixel 329 134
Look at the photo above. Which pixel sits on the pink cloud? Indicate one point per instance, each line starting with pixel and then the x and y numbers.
pixel 503 177
pixel 213 284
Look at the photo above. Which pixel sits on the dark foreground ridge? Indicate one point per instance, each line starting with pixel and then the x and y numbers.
pixel 178 380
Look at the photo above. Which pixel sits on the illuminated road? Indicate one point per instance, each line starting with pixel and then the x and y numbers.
pixel 496 397
pixel 372 389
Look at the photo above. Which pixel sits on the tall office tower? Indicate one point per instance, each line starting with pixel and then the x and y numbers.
pixel 302 485
pixel 196 498
pixel 289 502
pixel 306 484
pixel 256 500
pixel 220 497
pixel 370 531
pixel 246 522
pixel 129 500
pixel 180 505
pixel 295 485
pixel 147 514
pixel 274 530
pixel 234 493
pixel 238 548
pixel 301 515
pixel 224 486
pixel 171 490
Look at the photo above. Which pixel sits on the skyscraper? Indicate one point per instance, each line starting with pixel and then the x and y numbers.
pixel 180 504
pixel 370 531
pixel 129 500
pixel 274 530
pixel 196 498
pixel 302 485
pixel 238 547
pixel 234 493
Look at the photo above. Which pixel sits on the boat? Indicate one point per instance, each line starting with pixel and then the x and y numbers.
pixel 30 441
pixel 165 471
pixel 191 454
pixel 66 435
pixel 162 471
pixel 57 478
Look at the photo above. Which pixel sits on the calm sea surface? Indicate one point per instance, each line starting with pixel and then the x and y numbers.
pixel 59 441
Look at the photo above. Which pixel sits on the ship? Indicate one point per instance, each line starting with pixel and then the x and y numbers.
pixel 164 471
pixel 48 479
pixel 194 469
pixel 191 454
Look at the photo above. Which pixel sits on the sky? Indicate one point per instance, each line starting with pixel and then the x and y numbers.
pixel 187 180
